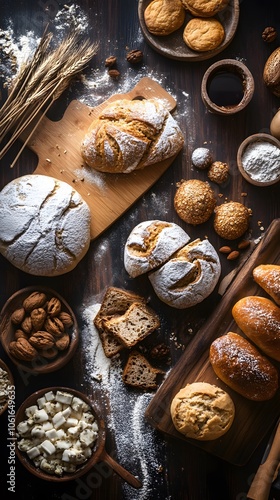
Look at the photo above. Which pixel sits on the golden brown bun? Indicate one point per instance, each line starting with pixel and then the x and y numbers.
pixel 204 8
pixel 202 34
pixel 268 277
pixel 202 411
pixel 259 319
pixel 162 18
pixel 241 366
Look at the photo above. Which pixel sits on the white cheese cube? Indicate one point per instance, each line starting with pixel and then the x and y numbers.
pixel 51 434
pixel 33 452
pixel 65 456
pixel 58 420
pixel 71 422
pixel 88 417
pixel 25 444
pixel 64 397
pixel 29 412
pixel 23 427
pixel 77 404
pixel 50 396
pixel 67 412
pixel 61 434
pixel 41 416
pixel 87 437
pixel 73 431
pixel 37 431
pixel 48 447
pixel 41 402
pixel 47 426
pixel 63 444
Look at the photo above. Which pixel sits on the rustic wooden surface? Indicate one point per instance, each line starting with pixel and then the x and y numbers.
pixel 186 472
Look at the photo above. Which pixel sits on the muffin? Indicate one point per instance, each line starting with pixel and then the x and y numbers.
pixel 231 220
pixel 194 201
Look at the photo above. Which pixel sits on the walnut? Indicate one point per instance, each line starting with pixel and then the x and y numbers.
pixel 23 350
pixel 18 316
pixel 110 61
pixel 114 73
pixel 62 342
pixel 38 317
pixel 54 326
pixel 269 34
pixel 41 340
pixel 53 307
pixel 36 299
pixel 66 319
pixel 26 325
pixel 21 334
pixel 134 56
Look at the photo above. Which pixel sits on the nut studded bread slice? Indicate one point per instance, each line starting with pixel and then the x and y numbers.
pixel 139 373
pixel 133 326
pixel 115 301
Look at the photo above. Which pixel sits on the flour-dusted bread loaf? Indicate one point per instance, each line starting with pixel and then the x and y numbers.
pixel 259 319
pixel 202 411
pixel 189 276
pixel 268 277
pixel 131 134
pixel 44 225
pixel 140 374
pixel 134 325
pixel 243 368
pixel 150 244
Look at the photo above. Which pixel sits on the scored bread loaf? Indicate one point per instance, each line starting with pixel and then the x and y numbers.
pixel 131 134
pixel 268 277
pixel 259 319
pixel 150 244
pixel 243 368
pixel 134 325
pixel 139 373
pixel 189 276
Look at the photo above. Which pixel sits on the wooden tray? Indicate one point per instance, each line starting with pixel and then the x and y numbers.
pixel 57 145
pixel 174 47
pixel 253 419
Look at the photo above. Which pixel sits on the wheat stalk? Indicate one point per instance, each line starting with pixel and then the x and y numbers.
pixel 40 82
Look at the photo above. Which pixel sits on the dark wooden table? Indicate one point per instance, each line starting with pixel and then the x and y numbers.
pixel 170 469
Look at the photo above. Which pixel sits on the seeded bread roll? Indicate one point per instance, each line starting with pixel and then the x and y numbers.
pixel 241 366
pixel 189 276
pixel 130 135
pixel 194 201
pixel 259 319
pixel 268 277
pixel 150 244
pixel 202 411
pixel 231 220
pixel 44 225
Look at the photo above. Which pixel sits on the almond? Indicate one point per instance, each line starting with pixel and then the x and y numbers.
pixel 233 255
pixel 225 249
pixel 243 244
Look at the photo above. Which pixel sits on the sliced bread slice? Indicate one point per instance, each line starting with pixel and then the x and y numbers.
pixel 110 344
pixel 139 373
pixel 134 325
pixel 115 301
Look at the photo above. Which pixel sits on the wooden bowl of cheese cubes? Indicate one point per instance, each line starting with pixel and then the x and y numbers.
pixel 60 436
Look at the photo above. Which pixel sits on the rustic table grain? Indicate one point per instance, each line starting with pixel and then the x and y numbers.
pixel 172 468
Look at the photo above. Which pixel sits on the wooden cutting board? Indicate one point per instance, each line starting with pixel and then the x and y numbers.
pixel 253 419
pixel 57 145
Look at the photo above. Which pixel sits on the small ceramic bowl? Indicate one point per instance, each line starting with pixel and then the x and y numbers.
pixel 98 446
pixel 48 360
pixel 256 169
pixel 227 87
pixel 10 382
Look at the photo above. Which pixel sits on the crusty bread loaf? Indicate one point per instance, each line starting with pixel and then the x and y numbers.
pixel 150 244
pixel 131 134
pixel 259 319
pixel 189 276
pixel 134 325
pixel 243 368
pixel 44 225
pixel 139 373
pixel 268 277
pixel 202 411
pixel 271 72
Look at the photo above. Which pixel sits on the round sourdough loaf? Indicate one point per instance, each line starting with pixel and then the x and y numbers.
pixel 202 411
pixel 150 244
pixel 131 134
pixel 44 225
pixel 189 276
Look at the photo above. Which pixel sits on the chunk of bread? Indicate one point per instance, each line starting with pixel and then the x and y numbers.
pixel 134 325
pixel 139 373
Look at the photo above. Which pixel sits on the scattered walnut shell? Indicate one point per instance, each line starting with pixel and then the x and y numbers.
pixel 269 34
pixel 134 56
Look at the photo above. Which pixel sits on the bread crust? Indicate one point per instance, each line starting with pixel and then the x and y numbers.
pixel 202 411
pixel 243 368
pixel 259 319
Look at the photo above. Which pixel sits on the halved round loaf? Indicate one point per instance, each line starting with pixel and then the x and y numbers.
pixel 44 225
pixel 189 276
pixel 150 244
pixel 202 411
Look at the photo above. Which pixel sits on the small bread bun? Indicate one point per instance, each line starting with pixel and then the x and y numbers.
pixel 202 158
pixel 231 220
pixel 150 244
pixel 268 277
pixel 259 319
pixel 163 18
pixel 204 8
pixel 189 276
pixel 202 411
pixel 203 34
pixel 194 201
pixel 241 366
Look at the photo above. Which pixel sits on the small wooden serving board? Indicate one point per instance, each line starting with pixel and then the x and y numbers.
pixel 57 145
pixel 252 419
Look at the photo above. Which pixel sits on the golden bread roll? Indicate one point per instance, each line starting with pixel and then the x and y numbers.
pixel 203 34
pixel 259 319
pixel 268 277
pixel 204 8
pixel 241 366
pixel 202 411
pixel 162 18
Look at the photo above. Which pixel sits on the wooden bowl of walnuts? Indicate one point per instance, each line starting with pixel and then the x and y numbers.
pixel 38 329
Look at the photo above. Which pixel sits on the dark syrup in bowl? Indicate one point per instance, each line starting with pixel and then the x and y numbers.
pixel 225 89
